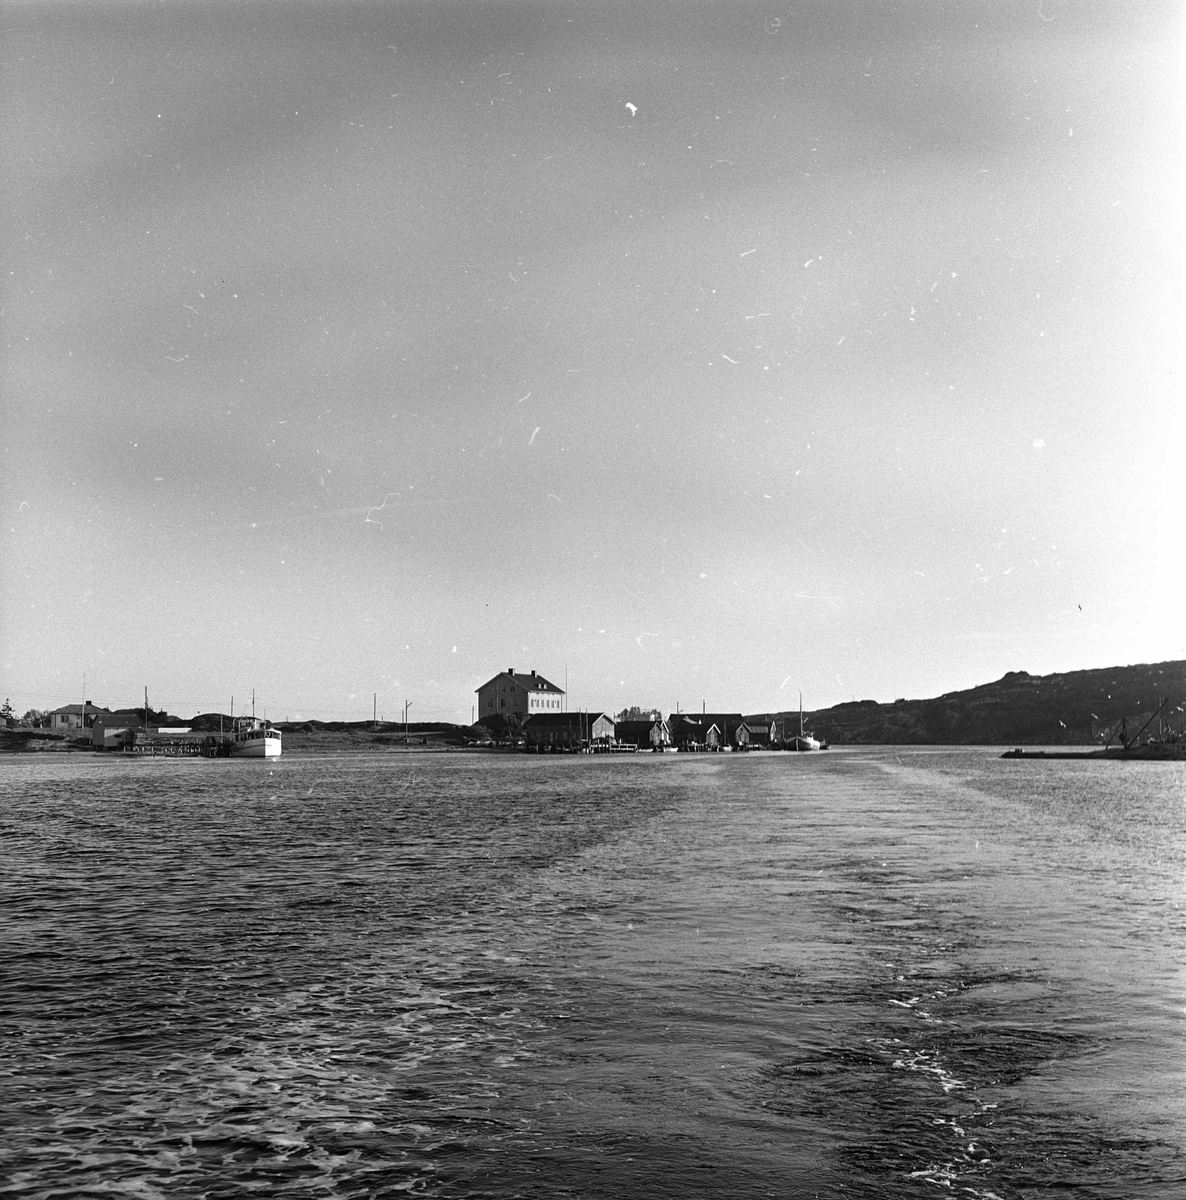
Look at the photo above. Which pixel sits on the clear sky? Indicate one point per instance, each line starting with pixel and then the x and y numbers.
pixel 695 352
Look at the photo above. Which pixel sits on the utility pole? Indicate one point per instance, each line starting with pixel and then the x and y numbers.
pixel 407 705
pixel 374 708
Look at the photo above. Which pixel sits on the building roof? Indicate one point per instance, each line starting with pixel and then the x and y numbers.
pixel 760 731
pixel 76 710
pixel 629 728
pixel 529 683
pixel 565 720
pixel 699 727
pixel 122 717
pixel 720 720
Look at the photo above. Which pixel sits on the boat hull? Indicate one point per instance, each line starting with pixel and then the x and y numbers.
pixel 257 745
pixel 256 750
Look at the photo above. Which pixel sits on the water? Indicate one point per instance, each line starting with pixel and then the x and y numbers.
pixel 860 973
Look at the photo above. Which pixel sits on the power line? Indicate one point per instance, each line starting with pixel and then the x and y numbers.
pixel 305 712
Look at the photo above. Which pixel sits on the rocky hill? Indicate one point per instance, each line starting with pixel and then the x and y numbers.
pixel 1074 708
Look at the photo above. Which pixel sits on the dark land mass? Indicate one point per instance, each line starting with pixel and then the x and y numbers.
pixel 1154 750
pixel 1019 709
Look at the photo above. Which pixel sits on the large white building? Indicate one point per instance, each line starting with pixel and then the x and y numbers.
pixel 513 692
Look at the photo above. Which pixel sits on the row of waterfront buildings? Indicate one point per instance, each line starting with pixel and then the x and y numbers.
pixel 106 730
pixel 537 707
pixel 534 707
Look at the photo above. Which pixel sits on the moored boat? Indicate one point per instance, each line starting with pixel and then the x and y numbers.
pixel 804 740
pixel 252 738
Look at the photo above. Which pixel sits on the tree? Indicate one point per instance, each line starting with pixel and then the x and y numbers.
pixel 505 727
pixel 634 713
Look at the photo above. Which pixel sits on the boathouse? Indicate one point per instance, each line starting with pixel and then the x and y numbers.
pixel 691 732
pixel 567 731
pixel 755 732
pixel 705 731
pixel 646 735
pixel 117 730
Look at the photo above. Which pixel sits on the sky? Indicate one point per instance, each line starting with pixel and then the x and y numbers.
pixel 693 354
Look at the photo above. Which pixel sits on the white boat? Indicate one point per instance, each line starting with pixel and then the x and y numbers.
pixel 252 738
pixel 804 741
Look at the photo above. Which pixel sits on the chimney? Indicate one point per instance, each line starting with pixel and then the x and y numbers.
pixel 510 670
pixel 532 674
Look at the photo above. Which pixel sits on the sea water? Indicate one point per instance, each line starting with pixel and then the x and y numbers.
pixel 856 973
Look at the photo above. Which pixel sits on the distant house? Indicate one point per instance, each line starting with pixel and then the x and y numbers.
pixel 654 734
pixel 513 693
pixel 73 718
pixel 712 731
pixel 567 731
pixel 695 732
pixel 755 732
pixel 117 730
pixel 122 729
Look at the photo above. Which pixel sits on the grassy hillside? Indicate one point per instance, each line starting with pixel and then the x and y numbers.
pixel 329 737
pixel 1074 708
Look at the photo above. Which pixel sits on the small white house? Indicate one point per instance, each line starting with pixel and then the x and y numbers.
pixel 74 718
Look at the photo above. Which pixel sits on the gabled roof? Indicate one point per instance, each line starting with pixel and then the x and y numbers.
pixel 638 727
pixel 122 717
pixel 720 720
pixel 682 726
pixel 529 683
pixel 757 730
pixel 76 710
